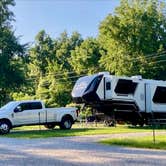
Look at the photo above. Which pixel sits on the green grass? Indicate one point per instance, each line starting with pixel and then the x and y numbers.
pixel 141 142
pixel 77 130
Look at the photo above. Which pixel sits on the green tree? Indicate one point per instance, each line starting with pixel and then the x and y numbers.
pixel 85 58
pixel 59 69
pixel 11 53
pixel 40 54
pixel 43 91
pixel 62 50
pixel 60 92
pixel 50 67
pixel 132 37
pixel 6 16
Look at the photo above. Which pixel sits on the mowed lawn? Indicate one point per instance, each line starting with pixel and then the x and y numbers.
pixel 77 130
pixel 141 142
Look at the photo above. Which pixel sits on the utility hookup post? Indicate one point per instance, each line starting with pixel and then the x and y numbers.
pixel 153 126
pixel 39 121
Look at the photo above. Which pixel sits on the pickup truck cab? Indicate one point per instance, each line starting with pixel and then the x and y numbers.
pixel 33 112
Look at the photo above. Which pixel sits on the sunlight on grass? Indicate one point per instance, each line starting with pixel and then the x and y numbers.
pixel 141 142
pixel 77 130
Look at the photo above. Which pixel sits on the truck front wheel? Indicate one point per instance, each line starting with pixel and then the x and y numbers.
pixel 66 123
pixel 4 127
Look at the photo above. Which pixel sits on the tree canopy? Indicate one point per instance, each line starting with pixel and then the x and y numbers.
pixel 86 56
pixel 132 37
pixel 131 41
pixel 11 51
pixel 49 67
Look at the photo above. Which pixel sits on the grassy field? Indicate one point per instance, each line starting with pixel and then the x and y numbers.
pixel 142 142
pixel 77 130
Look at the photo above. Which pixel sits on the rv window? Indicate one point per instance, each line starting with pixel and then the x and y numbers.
pixel 108 86
pixel 160 95
pixel 125 87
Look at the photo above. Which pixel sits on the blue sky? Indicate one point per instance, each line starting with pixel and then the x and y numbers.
pixel 55 16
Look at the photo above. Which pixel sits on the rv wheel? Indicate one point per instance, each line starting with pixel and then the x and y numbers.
pixel 134 124
pixel 141 124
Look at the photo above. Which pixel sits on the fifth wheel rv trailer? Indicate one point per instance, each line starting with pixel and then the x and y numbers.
pixel 130 99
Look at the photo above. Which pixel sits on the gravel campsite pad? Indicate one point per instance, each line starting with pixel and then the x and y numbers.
pixel 76 151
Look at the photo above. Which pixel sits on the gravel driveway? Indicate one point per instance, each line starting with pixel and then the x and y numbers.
pixel 76 151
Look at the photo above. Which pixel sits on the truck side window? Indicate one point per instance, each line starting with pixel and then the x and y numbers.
pixel 160 95
pixel 125 87
pixel 36 105
pixel 30 106
pixel 25 106
pixel 108 85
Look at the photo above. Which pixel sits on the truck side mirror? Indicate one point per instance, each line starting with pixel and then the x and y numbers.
pixel 17 109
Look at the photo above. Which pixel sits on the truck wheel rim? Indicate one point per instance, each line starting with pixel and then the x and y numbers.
pixel 67 124
pixel 4 127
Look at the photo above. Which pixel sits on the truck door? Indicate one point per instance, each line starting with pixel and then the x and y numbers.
pixel 107 88
pixel 21 114
pixel 30 113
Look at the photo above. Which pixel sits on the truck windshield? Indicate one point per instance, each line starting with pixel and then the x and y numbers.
pixel 8 105
pixel 81 85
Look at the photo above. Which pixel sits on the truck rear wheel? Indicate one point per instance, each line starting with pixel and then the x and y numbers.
pixel 49 126
pixel 4 127
pixel 66 123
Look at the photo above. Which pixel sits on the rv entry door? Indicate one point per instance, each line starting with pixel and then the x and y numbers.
pixel 107 88
pixel 148 99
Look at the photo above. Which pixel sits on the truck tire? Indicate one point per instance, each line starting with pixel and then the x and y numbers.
pixel 66 123
pixel 49 126
pixel 4 127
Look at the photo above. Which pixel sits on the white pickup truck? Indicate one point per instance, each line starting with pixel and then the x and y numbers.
pixel 33 112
